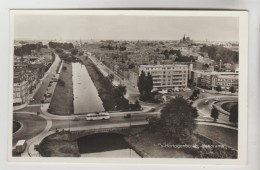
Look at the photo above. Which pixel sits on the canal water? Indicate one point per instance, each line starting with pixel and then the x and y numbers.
pixel 86 98
pixel 105 145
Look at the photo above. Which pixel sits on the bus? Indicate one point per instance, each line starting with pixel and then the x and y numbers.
pixel 98 116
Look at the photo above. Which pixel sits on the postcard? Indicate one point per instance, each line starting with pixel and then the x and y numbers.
pixel 128 86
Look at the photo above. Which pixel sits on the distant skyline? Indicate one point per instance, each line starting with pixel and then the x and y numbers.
pixel 69 27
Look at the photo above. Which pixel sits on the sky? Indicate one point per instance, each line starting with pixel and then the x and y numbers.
pixel 69 27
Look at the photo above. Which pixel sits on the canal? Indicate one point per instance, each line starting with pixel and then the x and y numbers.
pixel 105 145
pixel 86 98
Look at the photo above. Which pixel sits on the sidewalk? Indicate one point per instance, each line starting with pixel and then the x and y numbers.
pixel 44 109
pixel 217 123
pixel 216 92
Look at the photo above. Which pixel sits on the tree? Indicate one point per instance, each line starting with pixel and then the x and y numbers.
pixel 194 112
pixel 58 50
pixel 74 51
pixel 111 77
pixel 148 87
pixel 132 65
pixel 137 105
pixel 120 103
pixel 140 84
pixel 232 89
pixel 214 113
pixel 177 120
pixel 218 88
pixel 195 94
pixel 233 117
pixel 145 86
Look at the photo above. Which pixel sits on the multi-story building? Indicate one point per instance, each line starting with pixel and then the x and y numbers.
pixel 167 76
pixel 225 81
pixel 20 87
pixel 210 80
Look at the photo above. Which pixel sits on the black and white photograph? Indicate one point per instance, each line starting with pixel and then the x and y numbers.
pixel 132 84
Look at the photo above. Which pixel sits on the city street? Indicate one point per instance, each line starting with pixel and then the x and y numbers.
pixel 204 110
pixel 39 95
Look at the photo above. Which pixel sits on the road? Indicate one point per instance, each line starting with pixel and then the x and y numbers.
pixel 204 110
pixel 132 93
pixel 39 95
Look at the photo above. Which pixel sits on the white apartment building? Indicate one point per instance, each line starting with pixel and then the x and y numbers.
pixel 167 76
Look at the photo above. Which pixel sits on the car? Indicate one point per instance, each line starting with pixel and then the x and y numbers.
pixel 47 94
pixel 76 118
pixel 128 115
pixel 206 102
pixel 32 99
pixel 216 99
pixel 203 91
pixel 152 109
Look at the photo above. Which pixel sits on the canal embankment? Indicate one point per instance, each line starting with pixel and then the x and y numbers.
pixel 59 145
pixel 62 99
pixel 102 84
pixel 86 98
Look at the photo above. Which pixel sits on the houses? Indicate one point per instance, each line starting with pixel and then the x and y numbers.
pixel 20 87
pixel 27 75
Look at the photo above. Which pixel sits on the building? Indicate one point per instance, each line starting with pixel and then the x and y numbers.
pixel 20 87
pixel 225 81
pixel 210 80
pixel 167 76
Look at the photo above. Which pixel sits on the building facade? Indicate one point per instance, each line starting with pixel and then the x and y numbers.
pixel 225 81
pixel 210 80
pixel 167 76
pixel 20 87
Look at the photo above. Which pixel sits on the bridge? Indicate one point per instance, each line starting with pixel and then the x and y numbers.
pixel 118 130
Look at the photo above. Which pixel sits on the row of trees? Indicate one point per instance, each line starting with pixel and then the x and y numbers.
pixel 110 47
pixel 179 58
pixel 26 49
pixel 56 45
pixel 233 117
pixel 231 89
pixel 145 86
pixel 218 52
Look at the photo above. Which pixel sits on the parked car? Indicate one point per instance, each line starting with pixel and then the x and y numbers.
pixel 47 94
pixel 76 119
pixel 152 109
pixel 216 99
pixel 206 102
pixel 128 115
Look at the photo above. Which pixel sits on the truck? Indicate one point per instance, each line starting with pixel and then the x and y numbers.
pixel 20 146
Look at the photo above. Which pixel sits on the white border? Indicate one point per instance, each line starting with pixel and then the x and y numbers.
pixel 243 62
